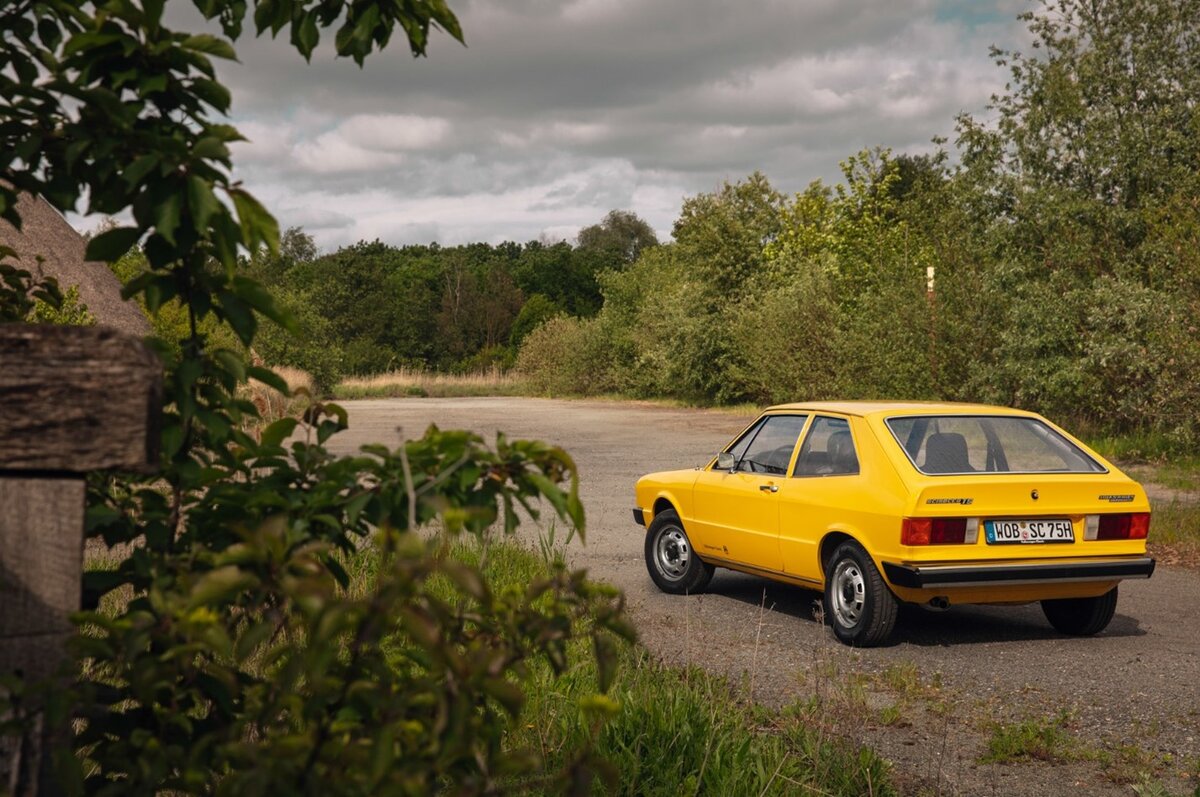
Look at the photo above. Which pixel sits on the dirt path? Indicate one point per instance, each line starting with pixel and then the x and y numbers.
pixel 1130 698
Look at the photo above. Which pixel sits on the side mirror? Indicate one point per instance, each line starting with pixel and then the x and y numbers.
pixel 725 461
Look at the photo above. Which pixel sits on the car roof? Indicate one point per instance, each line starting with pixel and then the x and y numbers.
pixel 870 408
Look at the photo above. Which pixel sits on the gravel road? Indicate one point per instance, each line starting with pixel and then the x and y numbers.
pixel 1130 696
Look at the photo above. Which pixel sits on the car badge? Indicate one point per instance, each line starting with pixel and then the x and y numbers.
pixel 1117 499
pixel 1033 494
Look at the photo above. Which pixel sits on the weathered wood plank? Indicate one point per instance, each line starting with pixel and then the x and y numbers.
pixel 41 558
pixel 76 399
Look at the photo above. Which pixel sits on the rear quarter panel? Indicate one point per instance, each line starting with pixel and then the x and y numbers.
pixel 866 507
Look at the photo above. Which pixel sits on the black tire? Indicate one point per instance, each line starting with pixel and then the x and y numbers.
pixel 670 558
pixel 858 604
pixel 1081 616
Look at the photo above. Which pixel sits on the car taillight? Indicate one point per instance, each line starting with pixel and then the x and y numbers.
pixel 938 530
pixel 1125 526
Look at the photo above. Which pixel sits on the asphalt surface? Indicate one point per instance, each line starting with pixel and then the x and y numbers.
pixel 1129 697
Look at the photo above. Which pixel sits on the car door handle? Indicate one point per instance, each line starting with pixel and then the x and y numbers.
pixel 769 488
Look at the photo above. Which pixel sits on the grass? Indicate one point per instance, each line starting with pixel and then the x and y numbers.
pixel 1175 533
pixel 1040 739
pixel 675 730
pixel 273 405
pixel 1048 739
pixel 409 382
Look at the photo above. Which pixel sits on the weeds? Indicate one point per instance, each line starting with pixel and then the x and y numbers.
pixel 1033 739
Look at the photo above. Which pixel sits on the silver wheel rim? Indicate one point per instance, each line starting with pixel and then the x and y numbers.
pixel 849 590
pixel 672 553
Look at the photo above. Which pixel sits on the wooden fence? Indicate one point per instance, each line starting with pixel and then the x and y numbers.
pixel 72 400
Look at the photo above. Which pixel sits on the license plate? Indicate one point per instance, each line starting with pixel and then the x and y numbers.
pixel 1002 532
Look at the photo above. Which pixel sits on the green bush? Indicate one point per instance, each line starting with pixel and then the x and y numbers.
pixel 564 356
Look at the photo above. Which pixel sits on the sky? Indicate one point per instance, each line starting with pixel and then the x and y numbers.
pixel 557 111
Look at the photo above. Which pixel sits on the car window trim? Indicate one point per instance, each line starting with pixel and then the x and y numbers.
pixel 804 438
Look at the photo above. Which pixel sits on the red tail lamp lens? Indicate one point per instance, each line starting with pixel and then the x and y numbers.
pixel 1133 526
pixel 933 531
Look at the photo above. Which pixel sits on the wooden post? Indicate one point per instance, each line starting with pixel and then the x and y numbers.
pixel 72 400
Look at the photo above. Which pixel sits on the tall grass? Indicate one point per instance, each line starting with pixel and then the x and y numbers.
pixel 674 731
pixel 273 405
pixel 412 382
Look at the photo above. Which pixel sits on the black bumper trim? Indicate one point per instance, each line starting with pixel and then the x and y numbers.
pixel 638 516
pixel 924 576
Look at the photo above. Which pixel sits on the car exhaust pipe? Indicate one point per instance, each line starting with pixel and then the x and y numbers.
pixel 941 603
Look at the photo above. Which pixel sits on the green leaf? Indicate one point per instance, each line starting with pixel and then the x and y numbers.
pixel 606 660
pixel 167 215
pixel 279 431
pixel 211 148
pixel 111 245
pixel 268 378
pixel 211 45
pixel 220 586
pixel 305 35
pixel 211 92
pixel 258 226
pixel 201 202
pixel 135 172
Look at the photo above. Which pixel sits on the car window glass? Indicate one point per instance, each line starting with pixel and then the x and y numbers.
pixel 738 449
pixel 987 444
pixel 828 449
pixel 771 449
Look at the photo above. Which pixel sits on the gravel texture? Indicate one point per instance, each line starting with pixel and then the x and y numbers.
pixel 1130 697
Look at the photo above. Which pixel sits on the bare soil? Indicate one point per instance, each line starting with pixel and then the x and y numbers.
pixel 929 702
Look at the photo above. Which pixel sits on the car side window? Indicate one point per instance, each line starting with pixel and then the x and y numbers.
pixel 771 449
pixel 828 449
pixel 738 449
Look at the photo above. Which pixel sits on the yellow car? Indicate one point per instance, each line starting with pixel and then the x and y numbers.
pixel 876 503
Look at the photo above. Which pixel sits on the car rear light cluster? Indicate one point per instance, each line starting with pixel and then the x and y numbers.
pixel 1125 526
pixel 939 531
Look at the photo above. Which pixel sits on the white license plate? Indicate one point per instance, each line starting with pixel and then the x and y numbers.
pixel 1001 532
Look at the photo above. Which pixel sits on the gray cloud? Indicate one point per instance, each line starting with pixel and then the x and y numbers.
pixel 557 112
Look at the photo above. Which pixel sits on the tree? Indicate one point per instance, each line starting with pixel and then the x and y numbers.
pixel 723 233
pixel 233 656
pixel 1105 105
pixel 622 234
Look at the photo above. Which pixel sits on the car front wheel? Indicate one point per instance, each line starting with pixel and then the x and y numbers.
pixel 1081 616
pixel 672 562
pixel 858 603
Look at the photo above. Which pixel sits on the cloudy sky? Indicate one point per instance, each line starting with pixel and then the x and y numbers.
pixel 558 111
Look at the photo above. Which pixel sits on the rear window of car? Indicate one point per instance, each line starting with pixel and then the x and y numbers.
pixel 952 444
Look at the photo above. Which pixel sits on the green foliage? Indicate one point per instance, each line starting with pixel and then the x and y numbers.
pixel 20 294
pixel 1064 248
pixel 621 236
pixel 1041 739
pixel 71 312
pixel 247 651
pixel 562 356
pixel 234 654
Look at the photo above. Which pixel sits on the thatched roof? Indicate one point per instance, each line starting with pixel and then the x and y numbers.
pixel 44 232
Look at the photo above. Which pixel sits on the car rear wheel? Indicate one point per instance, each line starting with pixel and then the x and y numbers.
pixel 858 603
pixel 672 562
pixel 1081 616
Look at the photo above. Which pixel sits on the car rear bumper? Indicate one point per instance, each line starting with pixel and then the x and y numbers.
pixel 639 517
pixel 1002 573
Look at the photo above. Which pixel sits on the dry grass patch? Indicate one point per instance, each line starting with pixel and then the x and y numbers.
pixel 412 382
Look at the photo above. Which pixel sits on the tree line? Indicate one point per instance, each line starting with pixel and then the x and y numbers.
pixel 1046 257
pixel 1062 233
